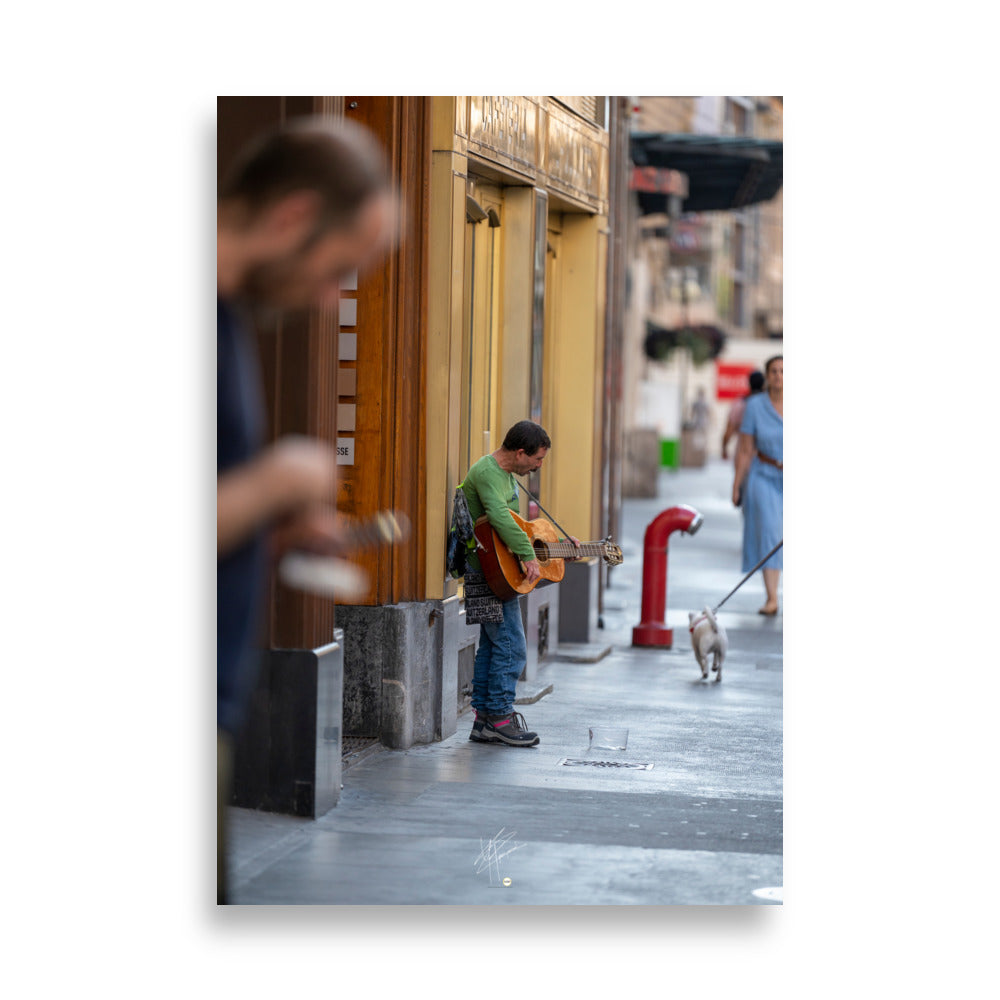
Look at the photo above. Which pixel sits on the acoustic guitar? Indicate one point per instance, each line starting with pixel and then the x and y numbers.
pixel 503 570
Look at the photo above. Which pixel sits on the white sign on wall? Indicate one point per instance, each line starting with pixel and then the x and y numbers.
pixel 345 451
pixel 347 344
pixel 348 312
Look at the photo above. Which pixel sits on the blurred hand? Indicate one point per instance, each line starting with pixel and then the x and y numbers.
pixel 532 571
pixel 318 529
pixel 300 471
pixel 291 474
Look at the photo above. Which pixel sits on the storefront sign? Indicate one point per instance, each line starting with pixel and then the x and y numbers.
pixel 574 159
pixel 545 142
pixel 659 180
pixel 686 237
pixel 731 379
pixel 504 128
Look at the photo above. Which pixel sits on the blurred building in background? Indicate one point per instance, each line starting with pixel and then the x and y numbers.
pixel 705 303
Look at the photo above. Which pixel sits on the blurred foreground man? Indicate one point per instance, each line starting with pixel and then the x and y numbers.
pixel 300 209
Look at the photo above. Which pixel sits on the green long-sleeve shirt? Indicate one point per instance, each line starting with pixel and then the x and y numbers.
pixel 491 491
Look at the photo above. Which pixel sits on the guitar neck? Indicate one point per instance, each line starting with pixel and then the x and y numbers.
pixel 567 550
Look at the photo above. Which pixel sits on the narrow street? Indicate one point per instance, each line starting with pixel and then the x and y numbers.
pixel 690 812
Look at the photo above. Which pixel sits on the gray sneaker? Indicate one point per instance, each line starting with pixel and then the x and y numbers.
pixel 510 729
pixel 479 734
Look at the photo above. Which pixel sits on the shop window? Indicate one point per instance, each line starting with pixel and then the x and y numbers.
pixel 738 116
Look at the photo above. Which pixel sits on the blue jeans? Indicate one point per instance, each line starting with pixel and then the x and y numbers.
pixel 500 660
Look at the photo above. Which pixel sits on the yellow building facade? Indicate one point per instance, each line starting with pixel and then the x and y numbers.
pixel 517 300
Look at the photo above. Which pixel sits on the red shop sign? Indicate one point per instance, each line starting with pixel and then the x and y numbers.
pixel 732 380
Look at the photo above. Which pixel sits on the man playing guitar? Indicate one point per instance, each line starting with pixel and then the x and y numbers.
pixel 491 490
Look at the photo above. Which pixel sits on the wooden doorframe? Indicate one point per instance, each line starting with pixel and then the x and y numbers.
pixel 299 357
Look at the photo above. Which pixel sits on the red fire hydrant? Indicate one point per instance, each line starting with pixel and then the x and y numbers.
pixel 652 630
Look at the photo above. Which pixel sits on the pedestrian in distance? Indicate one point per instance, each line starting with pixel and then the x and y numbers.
pixel 735 416
pixel 758 478
pixel 700 412
pixel 490 489
pixel 300 208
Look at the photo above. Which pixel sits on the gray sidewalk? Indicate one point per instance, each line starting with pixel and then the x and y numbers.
pixel 471 824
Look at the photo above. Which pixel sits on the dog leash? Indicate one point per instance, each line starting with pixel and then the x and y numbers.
pixel 740 584
pixel 747 577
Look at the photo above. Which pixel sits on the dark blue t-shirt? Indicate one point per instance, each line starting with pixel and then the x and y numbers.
pixel 241 573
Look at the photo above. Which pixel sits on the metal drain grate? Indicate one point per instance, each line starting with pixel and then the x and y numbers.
pixel 578 762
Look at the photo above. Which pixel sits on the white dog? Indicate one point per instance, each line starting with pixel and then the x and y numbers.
pixel 708 637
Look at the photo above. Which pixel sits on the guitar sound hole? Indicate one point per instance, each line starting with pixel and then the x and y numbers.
pixel 541 551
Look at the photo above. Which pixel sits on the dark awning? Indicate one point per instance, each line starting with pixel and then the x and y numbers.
pixel 723 171
pixel 702 340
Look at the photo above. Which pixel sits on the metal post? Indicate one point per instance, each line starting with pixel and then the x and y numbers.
pixel 652 629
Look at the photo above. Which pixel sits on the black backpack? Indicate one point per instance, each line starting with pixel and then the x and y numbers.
pixel 460 536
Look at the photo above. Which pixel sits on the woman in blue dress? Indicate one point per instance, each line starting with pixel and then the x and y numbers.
pixel 759 466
